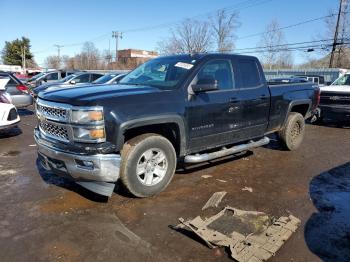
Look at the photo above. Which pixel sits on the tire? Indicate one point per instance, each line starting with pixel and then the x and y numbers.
pixel 293 132
pixel 148 164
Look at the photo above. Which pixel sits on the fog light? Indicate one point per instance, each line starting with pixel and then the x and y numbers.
pixel 85 163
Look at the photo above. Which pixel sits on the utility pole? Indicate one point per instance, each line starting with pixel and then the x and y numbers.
pixel 117 35
pixel 23 54
pixel 335 41
pixel 58 54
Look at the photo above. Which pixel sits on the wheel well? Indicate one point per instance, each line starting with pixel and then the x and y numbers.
pixel 169 130
pixel 302 109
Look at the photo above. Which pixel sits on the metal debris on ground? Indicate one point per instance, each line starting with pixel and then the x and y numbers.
pixel 247 189
pixel 214 200
pixel 251 236
pixel 222 181
pixel 206 176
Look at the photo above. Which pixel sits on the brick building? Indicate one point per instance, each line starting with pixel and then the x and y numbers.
pixel 134 57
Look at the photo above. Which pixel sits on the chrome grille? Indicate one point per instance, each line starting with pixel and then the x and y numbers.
pixel 56 131
pixel 55 112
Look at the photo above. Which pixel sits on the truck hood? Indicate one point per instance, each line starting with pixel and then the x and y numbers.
pixel 93 94
pixel 335 89
pixel 54 86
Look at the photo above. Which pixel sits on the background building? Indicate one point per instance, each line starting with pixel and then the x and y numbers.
pixel 134 57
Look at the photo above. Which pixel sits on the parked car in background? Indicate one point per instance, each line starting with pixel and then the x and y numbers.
pixel 335 100
pixel 47 77
pixel 109 79
pixel 20 94
pixel 317 79
pixel 8 112
pixel 69 81
pixel 188 108
pixel 286 80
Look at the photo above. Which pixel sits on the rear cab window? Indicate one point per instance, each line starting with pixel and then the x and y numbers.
pixel 249 73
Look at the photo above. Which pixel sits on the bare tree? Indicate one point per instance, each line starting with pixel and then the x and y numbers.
pixel 52 62
pixel 224 25
pixel 274 54
pixel 190 36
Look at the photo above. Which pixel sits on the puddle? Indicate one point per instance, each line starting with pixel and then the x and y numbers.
pixel 70 201
pixel 327 232
pixel 11 153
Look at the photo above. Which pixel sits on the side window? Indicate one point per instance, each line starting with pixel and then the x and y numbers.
pixel 82 78
pixel 249 73
pixel 95 76
pixel 53 76
pixel 221 71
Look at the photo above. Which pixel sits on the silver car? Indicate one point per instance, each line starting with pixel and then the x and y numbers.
pixel 19 93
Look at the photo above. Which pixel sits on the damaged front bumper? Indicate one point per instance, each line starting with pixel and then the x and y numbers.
pixel 90 171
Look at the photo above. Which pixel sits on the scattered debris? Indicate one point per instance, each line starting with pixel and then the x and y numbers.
pixel 247 189
pixel 206 176
pixel 33 145
pixel 222 181
pixel 214 200
pixel 251 236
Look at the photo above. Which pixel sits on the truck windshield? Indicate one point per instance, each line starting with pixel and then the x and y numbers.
pixel 164 72
pixel 343 80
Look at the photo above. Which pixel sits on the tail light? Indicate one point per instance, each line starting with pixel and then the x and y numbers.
pixel 22 88
pixel 318 96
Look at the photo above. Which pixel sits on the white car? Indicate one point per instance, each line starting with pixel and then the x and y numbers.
pixel 8 112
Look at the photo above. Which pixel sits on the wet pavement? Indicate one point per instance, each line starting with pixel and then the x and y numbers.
pixel 47 218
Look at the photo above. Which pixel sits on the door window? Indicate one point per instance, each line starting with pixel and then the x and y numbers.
pixel 84 78
pixel 220 70
pixel 95 76
pixel 53 76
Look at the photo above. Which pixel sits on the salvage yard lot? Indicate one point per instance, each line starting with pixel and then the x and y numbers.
pixel 44 217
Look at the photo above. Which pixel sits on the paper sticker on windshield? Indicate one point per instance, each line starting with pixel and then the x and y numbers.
pixel 184 65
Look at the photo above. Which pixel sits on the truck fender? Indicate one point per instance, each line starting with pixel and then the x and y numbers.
pixel 152 120
pixel 296 103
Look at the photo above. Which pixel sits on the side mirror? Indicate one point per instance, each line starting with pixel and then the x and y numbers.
pixel 72 82
pixel 204 85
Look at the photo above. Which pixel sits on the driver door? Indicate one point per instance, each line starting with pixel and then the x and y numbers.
pixel 211 115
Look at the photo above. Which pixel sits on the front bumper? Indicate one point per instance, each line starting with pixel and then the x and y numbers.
pixel 79 167
pixel 341 113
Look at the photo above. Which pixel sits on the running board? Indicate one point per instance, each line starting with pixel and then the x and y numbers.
pixel 198 158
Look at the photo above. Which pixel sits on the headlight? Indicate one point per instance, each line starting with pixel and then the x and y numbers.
pixel 92 134
pixel 87 116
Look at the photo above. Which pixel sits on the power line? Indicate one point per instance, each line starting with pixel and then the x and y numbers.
pixel 286 27
pixel 232 8
pixel 239 6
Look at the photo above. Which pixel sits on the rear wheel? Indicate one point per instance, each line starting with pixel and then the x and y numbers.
pixel 148 164
pixel 293 132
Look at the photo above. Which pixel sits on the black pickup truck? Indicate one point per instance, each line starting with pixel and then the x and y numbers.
pixel 184 108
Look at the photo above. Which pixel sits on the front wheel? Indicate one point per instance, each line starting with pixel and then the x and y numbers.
pixel 293 132
pixel 148 164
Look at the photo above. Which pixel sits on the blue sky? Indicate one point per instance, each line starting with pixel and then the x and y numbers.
pixel 71 23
